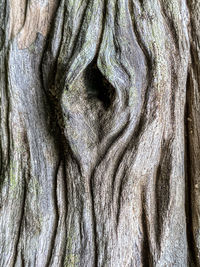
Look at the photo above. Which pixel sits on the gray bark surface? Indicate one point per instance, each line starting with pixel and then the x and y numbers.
pixel 100 133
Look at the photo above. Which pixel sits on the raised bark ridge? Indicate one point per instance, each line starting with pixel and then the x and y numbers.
pixel 96 169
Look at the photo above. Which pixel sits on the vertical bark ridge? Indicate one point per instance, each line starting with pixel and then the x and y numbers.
pixel 86 43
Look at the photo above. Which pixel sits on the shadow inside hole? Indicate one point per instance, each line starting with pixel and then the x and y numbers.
pixel 97 86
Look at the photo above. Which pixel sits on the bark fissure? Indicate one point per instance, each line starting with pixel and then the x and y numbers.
pixel 21 221
pixel 188 204
pixel 56 212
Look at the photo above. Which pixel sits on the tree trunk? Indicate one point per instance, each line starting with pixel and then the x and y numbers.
pixel 100 139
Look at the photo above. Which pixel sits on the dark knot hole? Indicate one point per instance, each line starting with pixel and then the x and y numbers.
pixel 97 86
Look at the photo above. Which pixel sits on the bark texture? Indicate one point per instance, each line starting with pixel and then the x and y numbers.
pixel 100 133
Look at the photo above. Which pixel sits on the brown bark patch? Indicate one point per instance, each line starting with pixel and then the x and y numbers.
pixel 29 18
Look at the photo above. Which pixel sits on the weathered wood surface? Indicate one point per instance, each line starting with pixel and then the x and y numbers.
pixel 100 141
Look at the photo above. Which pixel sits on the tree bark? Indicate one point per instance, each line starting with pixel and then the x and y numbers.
pixel 100 139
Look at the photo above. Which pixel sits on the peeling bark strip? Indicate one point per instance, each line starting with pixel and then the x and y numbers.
pixel 99 148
